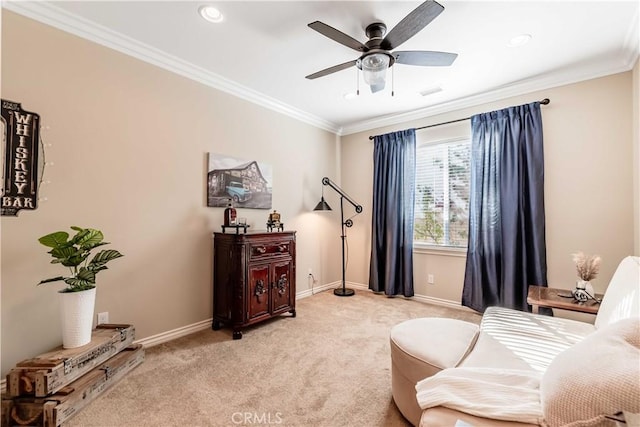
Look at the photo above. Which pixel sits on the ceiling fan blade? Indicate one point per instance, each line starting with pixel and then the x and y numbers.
pixel 331 70
pixel 425 58
pixel 338 36
pixel 412 24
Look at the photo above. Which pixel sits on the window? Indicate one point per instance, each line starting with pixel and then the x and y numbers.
pixel 442 193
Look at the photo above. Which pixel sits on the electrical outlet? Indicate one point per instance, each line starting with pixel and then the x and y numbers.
pixel 103 317
pixel 430 279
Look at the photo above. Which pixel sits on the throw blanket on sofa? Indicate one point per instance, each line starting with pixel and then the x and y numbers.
pixel 501 394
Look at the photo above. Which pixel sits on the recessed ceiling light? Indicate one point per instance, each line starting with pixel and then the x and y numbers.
pixel 349 95
pixel 211 14
pixel 520 40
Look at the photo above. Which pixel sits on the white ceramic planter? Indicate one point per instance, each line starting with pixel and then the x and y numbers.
pixel 77 317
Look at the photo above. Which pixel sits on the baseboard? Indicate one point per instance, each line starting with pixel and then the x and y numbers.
pixel 356 285
pixel 316 289
pixel 155 339
pixel 420 298
pixel 174 333
pixel 443 302
pixel 206 324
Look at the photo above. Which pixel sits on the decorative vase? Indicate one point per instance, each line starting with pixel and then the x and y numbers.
pixel 584 290
pixel 77 317
pixel 586 285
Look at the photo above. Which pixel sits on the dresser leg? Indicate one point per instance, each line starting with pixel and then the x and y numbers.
pixel 215 325
pixel 293 312
pixel 237 335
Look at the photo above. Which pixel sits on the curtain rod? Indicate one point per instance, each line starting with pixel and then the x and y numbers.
pixel 543 102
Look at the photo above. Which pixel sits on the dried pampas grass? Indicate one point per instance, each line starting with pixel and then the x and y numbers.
pixel 587 266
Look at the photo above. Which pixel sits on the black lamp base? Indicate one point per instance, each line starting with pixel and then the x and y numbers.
pixel 346 292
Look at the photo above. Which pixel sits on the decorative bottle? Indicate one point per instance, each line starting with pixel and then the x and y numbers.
pixel 230 215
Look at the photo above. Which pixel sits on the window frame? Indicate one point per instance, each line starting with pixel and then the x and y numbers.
pixel 430 248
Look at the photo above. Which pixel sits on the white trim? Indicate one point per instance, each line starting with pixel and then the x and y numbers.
pixel 434 142
pixel 442 302
pixel 314 290
pixel 497 94
pixel 174 333
pixel 360 286
pixel 420 298
pixel 422 248
pixel 51 15
pixel 156 339
pixel 89 30
pixel 206 324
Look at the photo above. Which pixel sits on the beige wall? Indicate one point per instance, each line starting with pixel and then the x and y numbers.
pixel 128 147
pixel 588 180
pixel 129 144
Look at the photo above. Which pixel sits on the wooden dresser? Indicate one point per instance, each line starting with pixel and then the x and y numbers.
pixel 254 278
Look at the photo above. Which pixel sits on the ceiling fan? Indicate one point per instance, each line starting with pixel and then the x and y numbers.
pixel 376 52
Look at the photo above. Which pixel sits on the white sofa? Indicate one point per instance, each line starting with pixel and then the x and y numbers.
pixel 506 340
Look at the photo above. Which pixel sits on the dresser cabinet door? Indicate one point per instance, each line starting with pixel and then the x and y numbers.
pixel 281 288
pixel 258 292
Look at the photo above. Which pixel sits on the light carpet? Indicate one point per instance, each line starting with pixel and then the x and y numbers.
pixel 329 366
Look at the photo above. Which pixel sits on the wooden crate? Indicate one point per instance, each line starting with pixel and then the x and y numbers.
pixel 52 411
pixel 49 372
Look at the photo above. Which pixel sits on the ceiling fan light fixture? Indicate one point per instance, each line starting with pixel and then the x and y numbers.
pixel 374 69
pixel 211 14
pixel 376 53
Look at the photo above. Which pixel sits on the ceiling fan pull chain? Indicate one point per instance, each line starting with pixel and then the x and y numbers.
pixel 393 80
pixel 357 82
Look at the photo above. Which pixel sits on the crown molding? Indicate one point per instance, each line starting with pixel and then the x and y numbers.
pixel 51 15
pixel 534 84
pixel 630 53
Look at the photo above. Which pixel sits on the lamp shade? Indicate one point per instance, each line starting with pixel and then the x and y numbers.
pixel 374 70
pixel 322 206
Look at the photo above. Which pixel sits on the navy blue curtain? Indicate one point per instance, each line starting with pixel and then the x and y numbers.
pixel 507 250
pixel 394 164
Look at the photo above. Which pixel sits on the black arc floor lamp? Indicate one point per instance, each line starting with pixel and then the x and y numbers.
pixel 323 206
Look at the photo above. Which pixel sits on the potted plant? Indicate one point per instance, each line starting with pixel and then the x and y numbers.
pixel 78 298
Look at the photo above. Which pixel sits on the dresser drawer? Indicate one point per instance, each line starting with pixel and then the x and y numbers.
pixel 259 250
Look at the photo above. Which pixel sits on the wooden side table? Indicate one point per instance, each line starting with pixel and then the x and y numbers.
pixel 540 296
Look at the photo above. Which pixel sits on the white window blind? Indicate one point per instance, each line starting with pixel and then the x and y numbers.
pixel 442 193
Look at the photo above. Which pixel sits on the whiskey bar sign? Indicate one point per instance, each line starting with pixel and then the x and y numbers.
pixel 20 171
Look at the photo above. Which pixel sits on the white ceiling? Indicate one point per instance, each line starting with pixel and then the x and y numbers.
pixel 264 49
